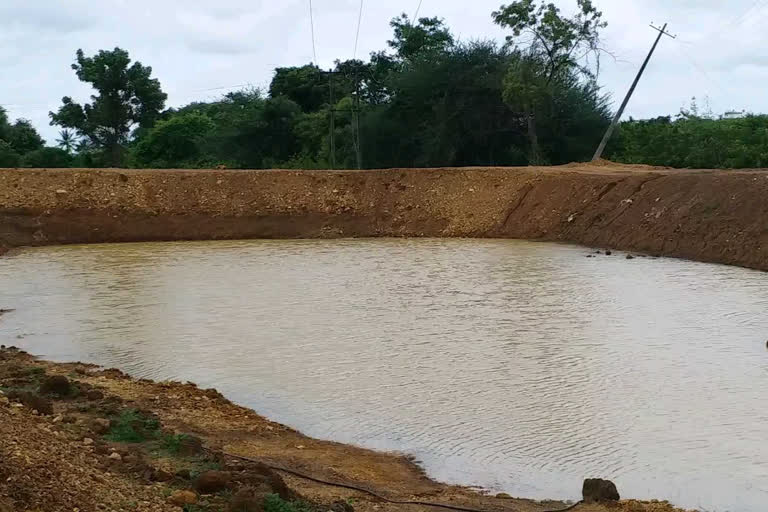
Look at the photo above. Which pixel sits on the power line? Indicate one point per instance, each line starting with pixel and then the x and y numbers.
pixel 359 22
pixel 738 21
pixel 312 25
pixel 699 69
pixel 416 14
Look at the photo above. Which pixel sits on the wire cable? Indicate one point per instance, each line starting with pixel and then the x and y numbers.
pixel 312 26
pixel 416 14
pixel 367 491
pixel 359 22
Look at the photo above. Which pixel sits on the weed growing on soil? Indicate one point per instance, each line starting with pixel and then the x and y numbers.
pixel 274 503
pixel 34 372
pixel 132 427
pixel 196 508
pixel 172 443
pixel 202 465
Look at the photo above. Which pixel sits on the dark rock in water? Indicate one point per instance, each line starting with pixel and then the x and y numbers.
pixel 342 506
pixel 608 253
pixel 630 257
pixel 211 482
pixel 57 385
pixel 597 490
pixel 590 255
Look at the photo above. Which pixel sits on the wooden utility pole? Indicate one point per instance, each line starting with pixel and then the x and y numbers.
pixel 333 120
pixel 599 153
pixel 358 149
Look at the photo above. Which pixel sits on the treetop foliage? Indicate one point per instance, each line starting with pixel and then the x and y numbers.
pixel 426 99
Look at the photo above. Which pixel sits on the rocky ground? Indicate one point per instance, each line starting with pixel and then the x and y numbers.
pixel 74 437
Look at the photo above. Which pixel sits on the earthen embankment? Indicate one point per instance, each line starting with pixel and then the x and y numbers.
pixel 713 216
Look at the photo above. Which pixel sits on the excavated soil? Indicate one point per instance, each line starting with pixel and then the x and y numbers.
pixel 713 216
pixel 63 461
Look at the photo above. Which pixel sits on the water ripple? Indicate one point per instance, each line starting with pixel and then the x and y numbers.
pixel 516 366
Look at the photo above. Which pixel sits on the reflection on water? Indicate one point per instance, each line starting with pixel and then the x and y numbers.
pixel 517 366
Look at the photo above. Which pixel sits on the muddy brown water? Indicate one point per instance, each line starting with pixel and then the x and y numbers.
pixel 515 366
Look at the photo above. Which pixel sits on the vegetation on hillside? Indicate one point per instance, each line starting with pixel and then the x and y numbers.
pixel 426 100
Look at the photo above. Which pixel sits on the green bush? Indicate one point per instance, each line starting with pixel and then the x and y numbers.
pixel 132 427
pixel 693 142
pixel 172 443
pixel 274 503
pixel 47 157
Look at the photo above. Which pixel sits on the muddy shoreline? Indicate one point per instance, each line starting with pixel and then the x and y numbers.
pixel 710 216
pixel 79 432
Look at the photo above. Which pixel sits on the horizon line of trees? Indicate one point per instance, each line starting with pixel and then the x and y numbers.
pixel 427 100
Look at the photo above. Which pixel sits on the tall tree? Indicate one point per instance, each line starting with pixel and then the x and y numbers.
pixel 66 140
pixel 305 85
pixel 174 142
pixel 427 37
pixel 23 137
pixel 554 48
pixel 8 156
pixel 127 96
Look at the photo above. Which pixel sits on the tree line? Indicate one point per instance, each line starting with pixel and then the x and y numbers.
pixel 425 100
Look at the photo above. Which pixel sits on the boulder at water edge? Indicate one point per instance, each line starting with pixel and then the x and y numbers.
pixel 597 490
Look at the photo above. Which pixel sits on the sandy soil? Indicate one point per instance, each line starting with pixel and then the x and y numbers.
pixel 64 460
pixel 714 216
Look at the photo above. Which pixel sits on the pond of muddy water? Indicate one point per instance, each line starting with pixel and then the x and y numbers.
pixel 520 367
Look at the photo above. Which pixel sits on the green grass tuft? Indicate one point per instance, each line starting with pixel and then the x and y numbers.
pixel 172 443
pixel 274 503
pixel 132 427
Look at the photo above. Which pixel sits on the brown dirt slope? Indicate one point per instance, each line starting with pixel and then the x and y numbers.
pixel 714 216
pixel 65 460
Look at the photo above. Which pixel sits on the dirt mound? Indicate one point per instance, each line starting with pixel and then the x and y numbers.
pixel 714 216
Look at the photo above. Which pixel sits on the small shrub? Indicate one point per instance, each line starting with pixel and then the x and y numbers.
pixel 35 371
pixel 132 427
pixel 274 503
pixel 172 443
pixel 202 465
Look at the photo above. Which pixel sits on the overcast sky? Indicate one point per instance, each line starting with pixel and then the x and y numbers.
pixel 198 48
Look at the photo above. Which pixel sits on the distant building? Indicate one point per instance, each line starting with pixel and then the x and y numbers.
pixel 733 114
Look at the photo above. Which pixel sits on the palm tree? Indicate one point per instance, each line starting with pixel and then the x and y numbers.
pixel 66 140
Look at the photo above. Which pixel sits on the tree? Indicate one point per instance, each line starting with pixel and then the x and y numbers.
pixel 563 43
pixel 127 96
pixel 428 37
pixel 558 48
pixel 23 137
pixel 174 142
pixel 306 85
pixel 8 156
pixel 66 140
pixel 4 125
pixel 47 158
